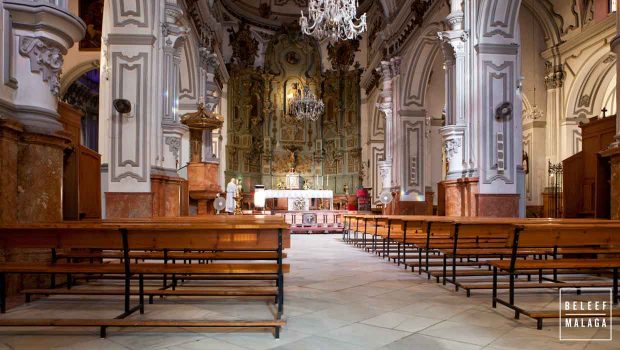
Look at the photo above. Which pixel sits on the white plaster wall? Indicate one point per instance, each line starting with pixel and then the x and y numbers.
pixel 435 103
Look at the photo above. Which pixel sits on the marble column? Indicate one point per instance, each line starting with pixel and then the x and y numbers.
pixel 131 144
pixel 455 132
pixel 554 82
pixel 386 107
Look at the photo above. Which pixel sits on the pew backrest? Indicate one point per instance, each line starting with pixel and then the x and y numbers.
pixel 565 235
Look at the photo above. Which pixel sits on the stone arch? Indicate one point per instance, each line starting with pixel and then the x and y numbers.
pixel 587 94
pixel 188 75
pixel 549 21
pixel 377 122
pixel 74 73
pixel 498 20
pixel 419 60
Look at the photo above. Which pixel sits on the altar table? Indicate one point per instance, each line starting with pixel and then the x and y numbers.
pixel 299 198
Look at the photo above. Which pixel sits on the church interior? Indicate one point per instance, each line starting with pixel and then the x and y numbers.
pixel 309 174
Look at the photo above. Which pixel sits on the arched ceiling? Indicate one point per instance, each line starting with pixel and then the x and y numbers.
pixel 272 13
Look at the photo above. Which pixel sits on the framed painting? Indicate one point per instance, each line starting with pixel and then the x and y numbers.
pixel 91 12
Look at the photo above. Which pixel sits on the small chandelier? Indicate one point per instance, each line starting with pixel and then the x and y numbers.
pixel 333 19
pixel 307 106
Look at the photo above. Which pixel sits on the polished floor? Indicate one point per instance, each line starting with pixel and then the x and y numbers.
pixel 337 297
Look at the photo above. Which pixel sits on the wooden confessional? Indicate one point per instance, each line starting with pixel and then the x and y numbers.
pixel 586 188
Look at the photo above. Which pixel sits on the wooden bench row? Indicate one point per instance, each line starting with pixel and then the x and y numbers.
pixel 137 249
pixel 497 247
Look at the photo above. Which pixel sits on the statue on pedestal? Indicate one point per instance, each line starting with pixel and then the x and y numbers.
pixel 238 195
pixel 231 192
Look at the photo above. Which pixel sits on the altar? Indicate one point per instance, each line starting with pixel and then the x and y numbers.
pixel 299 200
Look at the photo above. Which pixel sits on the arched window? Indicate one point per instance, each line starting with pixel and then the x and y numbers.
pixel 613 5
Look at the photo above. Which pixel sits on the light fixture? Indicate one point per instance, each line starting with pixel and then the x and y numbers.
pixel 307 106
pixel 259 196
pixel 333 19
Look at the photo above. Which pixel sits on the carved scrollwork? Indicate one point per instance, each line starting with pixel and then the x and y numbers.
pixel 244 46
pixel 174 145
pixel 451 148
pixel 45 59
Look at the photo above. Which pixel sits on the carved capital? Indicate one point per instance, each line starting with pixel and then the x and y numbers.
pixel 45 58
pixel 455 20
pixel 555 76
pixel 456 39
pixel 385 108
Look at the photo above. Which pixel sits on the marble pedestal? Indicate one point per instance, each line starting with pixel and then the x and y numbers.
pixel 400 207
pixel 497 205
pixel 128 205
pixel 460 196
pixel 31 186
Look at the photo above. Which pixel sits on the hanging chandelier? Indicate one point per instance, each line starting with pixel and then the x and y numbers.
pixel 333 19
pixel 307 106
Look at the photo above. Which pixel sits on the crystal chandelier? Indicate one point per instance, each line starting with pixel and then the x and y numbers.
pixel 307 106
pixel 333 19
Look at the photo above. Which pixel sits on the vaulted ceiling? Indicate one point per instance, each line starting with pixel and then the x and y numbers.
pixel 272 13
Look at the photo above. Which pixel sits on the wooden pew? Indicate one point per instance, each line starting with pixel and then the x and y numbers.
pixel 217 236
pixel 556 236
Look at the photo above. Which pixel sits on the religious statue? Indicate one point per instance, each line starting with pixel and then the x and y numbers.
pixel 231 191
pixel 306 185
pixel 238 195
pixel 280 185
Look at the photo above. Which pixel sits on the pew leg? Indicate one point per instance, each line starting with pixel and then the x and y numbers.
pixel 2 293
pixel 53 281
pixel 494 298
pixel 445 267
pixel 540 276
pixel 419 262
pixel 539 322
pixel 277 332
pixel 141 287
pixel 615 287
pixel 103 331
pixel 280 297
pixel 69 282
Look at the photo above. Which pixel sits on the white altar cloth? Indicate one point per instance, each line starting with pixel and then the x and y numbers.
pixel 299 194
pixel 306 195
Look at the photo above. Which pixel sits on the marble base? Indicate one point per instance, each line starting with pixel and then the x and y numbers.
pixel 10 132
pixel 460 196
pixel 400 207
pixel 497 205
pixel 168 195
pixel 614 159
pixel 129 205
pixel 31 166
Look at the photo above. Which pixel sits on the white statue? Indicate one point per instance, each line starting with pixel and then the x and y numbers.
pixel 231 190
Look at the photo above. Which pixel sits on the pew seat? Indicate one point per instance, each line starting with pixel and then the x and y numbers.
pixel 557 264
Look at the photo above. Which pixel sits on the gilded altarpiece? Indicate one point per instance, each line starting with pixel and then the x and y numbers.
pixel 265 141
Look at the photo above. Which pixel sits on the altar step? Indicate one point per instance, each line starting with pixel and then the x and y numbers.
pixel 317 228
